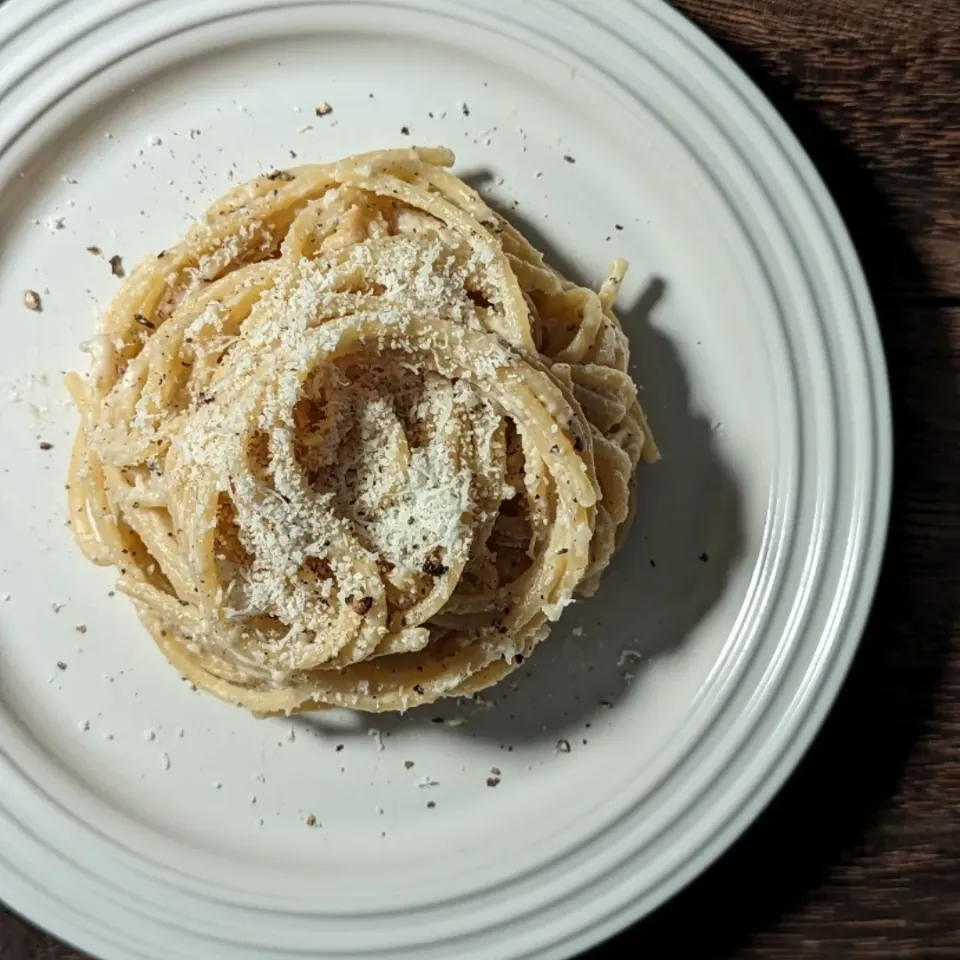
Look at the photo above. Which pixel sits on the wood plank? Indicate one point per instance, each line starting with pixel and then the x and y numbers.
pixel 871 89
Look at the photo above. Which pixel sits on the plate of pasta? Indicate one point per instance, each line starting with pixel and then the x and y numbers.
pixel 413 413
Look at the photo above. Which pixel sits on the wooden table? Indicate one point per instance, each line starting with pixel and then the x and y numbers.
pixel 859 856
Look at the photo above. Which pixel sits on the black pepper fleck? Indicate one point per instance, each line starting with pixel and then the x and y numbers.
pixel 361 606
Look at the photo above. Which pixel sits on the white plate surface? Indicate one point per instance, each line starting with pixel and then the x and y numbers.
pixel 743 588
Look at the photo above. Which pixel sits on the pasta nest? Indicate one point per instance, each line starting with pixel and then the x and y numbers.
pixel 352 442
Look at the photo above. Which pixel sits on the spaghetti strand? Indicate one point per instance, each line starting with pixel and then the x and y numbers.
pixel 352 442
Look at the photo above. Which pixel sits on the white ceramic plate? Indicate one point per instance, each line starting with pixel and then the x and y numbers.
pixel 141 820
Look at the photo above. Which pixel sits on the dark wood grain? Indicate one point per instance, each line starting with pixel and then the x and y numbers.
pixel 872 88
pixel 859 855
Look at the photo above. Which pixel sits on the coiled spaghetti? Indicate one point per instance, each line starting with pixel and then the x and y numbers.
pixel 352 443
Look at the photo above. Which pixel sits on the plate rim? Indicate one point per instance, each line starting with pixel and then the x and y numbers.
pixel 837 233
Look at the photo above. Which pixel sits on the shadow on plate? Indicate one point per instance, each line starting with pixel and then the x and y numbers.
pixel 827 812
pixel 685 539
